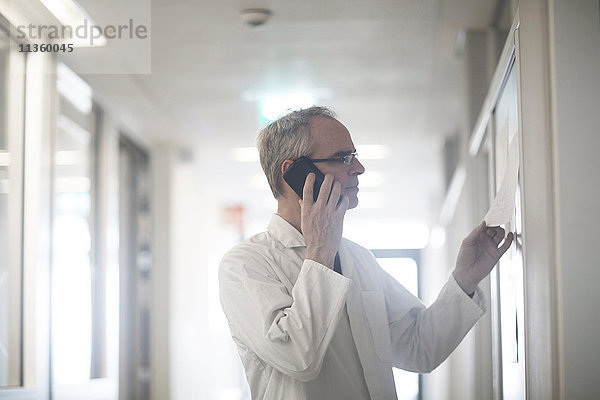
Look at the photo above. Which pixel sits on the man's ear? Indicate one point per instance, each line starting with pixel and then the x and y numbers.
pixel 285 165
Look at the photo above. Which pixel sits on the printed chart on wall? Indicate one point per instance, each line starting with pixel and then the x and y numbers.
pixel 505 211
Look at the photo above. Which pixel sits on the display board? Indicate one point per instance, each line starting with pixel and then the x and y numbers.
pixel 507 278
pixel 499 127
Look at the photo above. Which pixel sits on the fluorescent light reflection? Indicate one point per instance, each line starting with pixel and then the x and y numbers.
pixel 66 11
pixel 69 13
pixel 4 158
pixel 73 88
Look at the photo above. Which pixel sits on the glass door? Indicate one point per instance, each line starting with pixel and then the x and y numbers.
pixel 135 271
pixel 403 265
pixel 12 84
pixel 72 236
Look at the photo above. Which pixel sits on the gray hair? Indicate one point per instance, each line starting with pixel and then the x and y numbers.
pixel 286 138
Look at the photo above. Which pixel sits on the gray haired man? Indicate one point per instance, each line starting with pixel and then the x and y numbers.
pixel 313 315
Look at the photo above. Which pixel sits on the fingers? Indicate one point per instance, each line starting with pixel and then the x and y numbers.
pixel 336 190
pixel 309 184
pixel 489 238
pixel 496 234
pixel 492 243
pixel 325 190
pixel 506 245
pixel 330 191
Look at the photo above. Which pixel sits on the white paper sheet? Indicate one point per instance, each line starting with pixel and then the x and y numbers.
pixel 502 208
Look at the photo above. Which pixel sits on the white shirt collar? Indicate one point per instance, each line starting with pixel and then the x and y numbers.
pixel 284 232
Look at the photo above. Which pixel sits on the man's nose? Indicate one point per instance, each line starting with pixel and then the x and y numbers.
pixel 356 167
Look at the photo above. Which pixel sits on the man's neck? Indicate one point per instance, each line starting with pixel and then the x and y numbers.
pixel 290 212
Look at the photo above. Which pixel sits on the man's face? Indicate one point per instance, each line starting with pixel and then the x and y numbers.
pixel 332 139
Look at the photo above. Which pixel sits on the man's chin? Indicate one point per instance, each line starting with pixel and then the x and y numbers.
pixel 353 202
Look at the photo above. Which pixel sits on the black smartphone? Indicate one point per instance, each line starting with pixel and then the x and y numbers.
pixel 296 175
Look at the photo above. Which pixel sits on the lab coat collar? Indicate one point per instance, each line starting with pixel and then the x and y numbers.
pixel 285 233
pixel 290 237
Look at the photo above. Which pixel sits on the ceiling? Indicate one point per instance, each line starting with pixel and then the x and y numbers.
pixel 389 68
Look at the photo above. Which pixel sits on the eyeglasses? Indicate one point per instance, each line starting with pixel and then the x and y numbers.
pixel 347 159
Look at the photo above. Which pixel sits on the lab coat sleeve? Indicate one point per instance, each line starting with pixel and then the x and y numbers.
pixel 422 338
pixel 289 331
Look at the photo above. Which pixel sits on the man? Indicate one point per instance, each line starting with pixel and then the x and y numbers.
pixel 305 331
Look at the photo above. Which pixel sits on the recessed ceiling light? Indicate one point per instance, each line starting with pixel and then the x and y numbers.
pixel 255 16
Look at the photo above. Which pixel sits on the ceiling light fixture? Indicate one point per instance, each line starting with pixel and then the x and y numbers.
pixel 255 16
pixel 69 13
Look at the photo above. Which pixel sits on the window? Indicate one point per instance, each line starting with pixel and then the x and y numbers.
pixel 72 234
pixel 12 68
pixel 135 270
pixel 84 318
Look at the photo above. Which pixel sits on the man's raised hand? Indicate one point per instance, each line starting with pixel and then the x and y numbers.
pixel 478 254
pixel 322 221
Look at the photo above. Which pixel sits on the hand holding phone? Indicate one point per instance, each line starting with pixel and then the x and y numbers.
pixel 296 174
pixel 321 222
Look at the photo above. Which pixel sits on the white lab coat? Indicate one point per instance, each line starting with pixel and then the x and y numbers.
pixel 283 311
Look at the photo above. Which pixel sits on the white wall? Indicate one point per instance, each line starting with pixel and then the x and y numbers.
pixel 204 363
pixel 560 60
pixel 576 36
pixel 163 159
